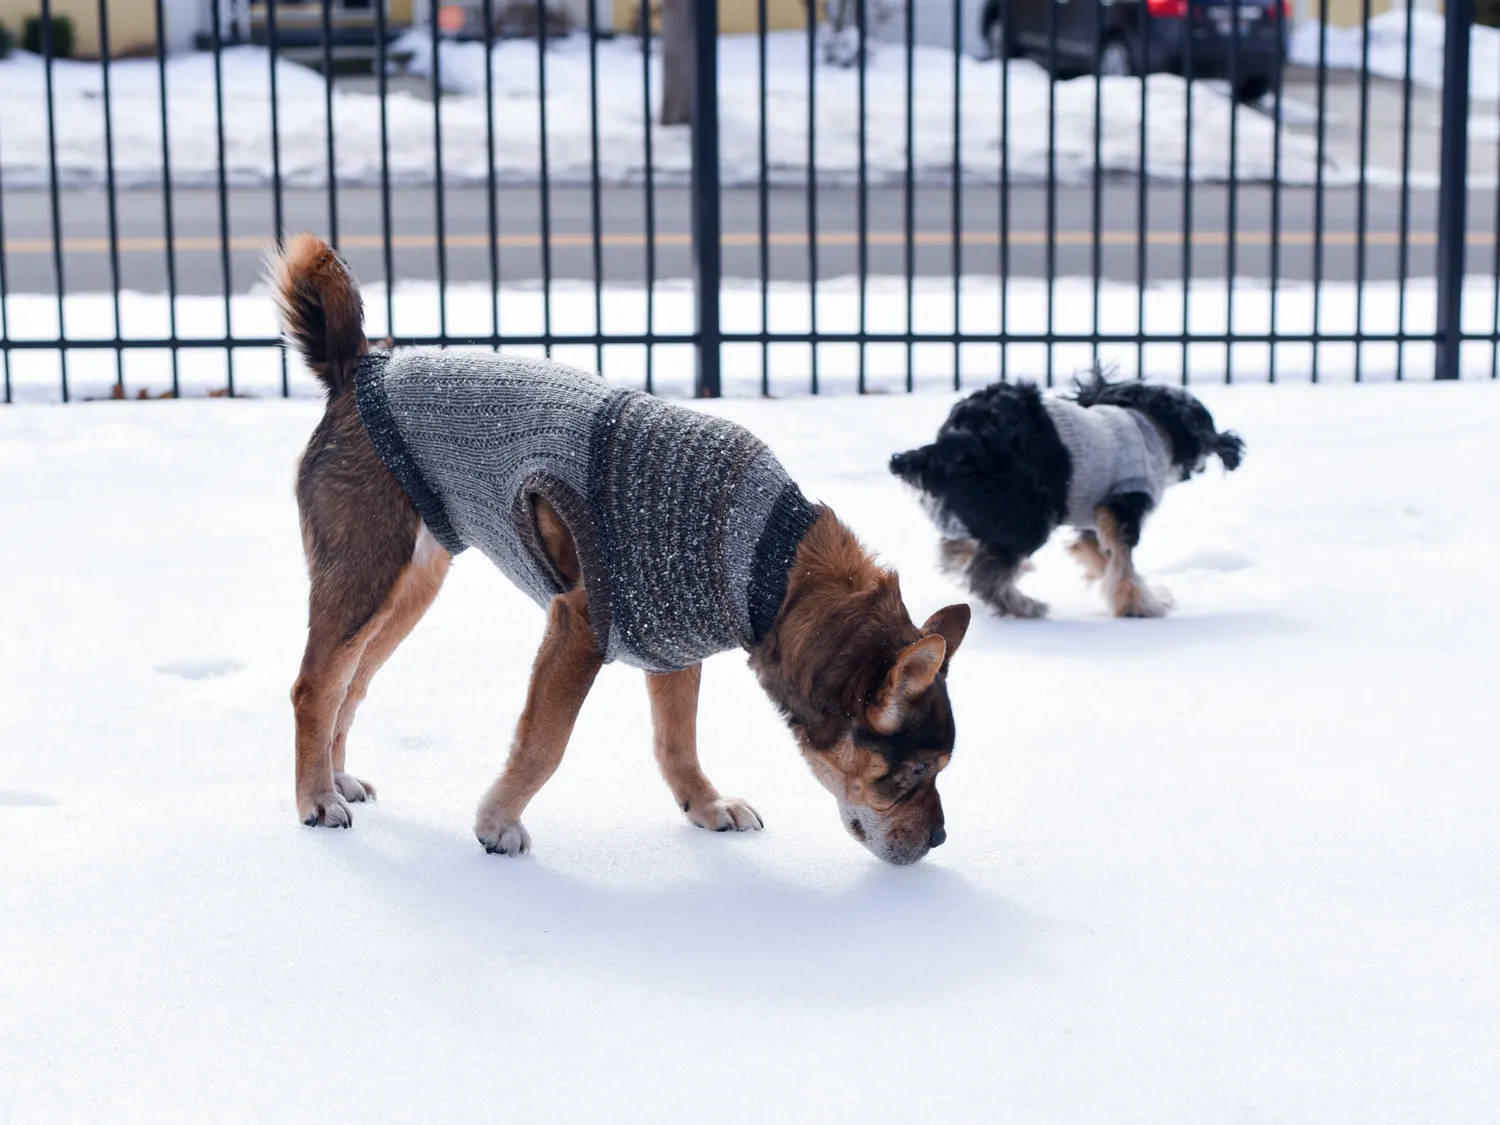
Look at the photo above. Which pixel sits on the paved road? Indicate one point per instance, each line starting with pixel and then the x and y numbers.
pixel 199 265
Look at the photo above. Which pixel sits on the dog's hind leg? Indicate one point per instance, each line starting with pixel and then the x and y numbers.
pixel 408 601
pixel 1119 531
pixel 674 719
pixel 1089 555
pixel 565 668
pixel 993 576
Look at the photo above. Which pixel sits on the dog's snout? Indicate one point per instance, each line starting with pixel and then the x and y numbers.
pixel 936 837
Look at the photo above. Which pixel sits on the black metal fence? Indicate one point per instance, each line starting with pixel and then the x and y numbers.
pixel 1005 221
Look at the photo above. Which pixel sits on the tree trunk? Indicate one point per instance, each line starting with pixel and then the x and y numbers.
pixel 676 63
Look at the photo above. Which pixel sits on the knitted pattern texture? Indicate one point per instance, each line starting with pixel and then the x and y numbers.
pixel 1113 451
pixel 686 525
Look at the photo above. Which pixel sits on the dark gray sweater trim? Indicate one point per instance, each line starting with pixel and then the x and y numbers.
pixel 790 520
pixel 385 436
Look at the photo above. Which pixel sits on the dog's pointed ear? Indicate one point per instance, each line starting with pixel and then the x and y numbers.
pixel 916 667
pixel 951 623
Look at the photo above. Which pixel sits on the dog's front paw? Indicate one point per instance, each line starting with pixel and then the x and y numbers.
pixel 328 809
pixel 501 836
pixel 1139 600
pixel 352 788
pixel 724 814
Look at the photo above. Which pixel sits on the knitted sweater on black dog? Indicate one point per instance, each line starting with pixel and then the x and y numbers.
pixel 1113 451
pixel 686 525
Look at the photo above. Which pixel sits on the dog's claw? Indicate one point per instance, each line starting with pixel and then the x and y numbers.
pixel 328 809
pixel 726 814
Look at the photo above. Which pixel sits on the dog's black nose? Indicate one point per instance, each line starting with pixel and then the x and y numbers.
pixel 937 836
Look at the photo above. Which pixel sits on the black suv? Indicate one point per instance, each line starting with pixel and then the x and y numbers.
pixel 1105 37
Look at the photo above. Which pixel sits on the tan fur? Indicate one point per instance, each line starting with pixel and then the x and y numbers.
pixel 1087 553
pixel 674 719
pixel 565 668
pixel 1124 591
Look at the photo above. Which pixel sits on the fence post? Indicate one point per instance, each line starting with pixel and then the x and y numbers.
pixel 1453 187
pixel 703 24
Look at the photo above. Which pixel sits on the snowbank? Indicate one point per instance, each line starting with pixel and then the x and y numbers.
pixel 1237 865
pixel 192 122
pixel 1387 50
pixel 35 375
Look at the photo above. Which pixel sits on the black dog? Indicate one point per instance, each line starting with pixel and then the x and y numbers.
pixel 1010 464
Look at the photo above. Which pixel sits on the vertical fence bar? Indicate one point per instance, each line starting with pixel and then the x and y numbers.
pixel 707 271
pixel 596 226
pixel 492 213
pixel 439 194
pixel 166 193
pixel 333 183
pixel 57 242
pixel 1495 293
pixel 1318 214
pixel 4 297
pixel 1404 250
pixel 958 176
pixel 1187 186
pixel 215 23
pixel 387 252
pixel 1281 12
pixel 909 199
pixel 651 199
pixel 1096 250
pixel 812 186
pixel 1231 256
pixel 1361 208
pixel 1003 47
pixel 863 202
pixel 763 201
pixel 1051 179
pixel 1142 201
pixel 544 184
pixel 111 210
pixel 1453 188
pixel 278 219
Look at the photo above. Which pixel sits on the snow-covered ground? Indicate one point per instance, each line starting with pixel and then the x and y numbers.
pixel 1236 865
pixel 135 96
pixel 34 375
pixel 1387 52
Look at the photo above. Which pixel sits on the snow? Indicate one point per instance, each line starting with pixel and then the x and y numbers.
pixel 1388 49
pixel 192 122
pixel 35 374
pixel 1236 865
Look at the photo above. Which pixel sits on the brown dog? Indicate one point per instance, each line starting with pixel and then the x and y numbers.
pixel 862 688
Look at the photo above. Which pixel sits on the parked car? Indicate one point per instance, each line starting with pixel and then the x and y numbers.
pixel 1104 37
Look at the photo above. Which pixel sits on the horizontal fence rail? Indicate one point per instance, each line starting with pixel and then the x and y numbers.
pixel 887 195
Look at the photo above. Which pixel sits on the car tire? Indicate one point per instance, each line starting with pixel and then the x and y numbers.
pixel 1116 58
pixel 996 39
pixel 1254 88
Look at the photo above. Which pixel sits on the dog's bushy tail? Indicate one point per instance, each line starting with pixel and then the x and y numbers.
pixel 322 316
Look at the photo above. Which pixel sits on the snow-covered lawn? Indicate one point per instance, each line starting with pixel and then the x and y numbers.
pixel 35 374
pixel 1387 53
pixel 135 95
pixel 1236 865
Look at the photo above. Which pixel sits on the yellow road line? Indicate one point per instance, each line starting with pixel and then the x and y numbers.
pixel 204 244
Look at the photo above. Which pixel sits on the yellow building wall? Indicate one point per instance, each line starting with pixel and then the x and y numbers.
pixel 1341 13
pixel 132 24
pixel 736 17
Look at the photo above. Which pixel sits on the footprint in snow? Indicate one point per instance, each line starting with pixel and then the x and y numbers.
pixel 200 669
pixel 14 798
pixel 1225 562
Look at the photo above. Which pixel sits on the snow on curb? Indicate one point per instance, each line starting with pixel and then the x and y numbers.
pixel 35 374
pixel 192 122
pixel 1387 50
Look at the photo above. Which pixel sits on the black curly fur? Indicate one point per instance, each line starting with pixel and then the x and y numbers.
pixel 999 466
pixel 1186 421
pixel 1000 469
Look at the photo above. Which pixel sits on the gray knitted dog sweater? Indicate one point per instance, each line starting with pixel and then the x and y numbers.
pixel 1113 451
pixel 686 525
